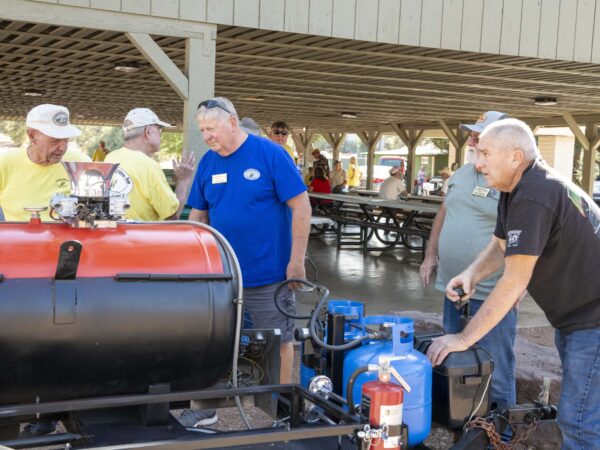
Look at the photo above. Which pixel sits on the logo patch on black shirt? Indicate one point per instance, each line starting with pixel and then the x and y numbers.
pixel 513 238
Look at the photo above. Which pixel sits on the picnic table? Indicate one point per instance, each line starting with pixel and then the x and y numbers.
pixel 425 198
pixel 391 222
pixel 363 192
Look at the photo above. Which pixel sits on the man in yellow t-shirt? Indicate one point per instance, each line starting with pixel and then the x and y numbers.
pixel 140 177
pixel 29 177
pixel 279 134
pixel 100 153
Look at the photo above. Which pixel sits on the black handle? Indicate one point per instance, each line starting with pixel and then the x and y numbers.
pixel 460 303
pixel 463 308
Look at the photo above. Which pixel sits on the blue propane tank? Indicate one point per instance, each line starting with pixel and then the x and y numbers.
pixel 414 367
pixel 354 313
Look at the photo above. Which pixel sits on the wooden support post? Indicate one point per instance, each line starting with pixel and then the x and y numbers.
pixel 411 138
pixel 458 140
pixel 193 86
pixel 590 141
pixel 161 62
pixel 335 139
pixel 302 142
pixel 370 139
pixel 200 70
pixel 589 158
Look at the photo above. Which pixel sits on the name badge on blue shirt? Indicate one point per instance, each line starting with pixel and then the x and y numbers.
pixel 481 191
pixel 219 178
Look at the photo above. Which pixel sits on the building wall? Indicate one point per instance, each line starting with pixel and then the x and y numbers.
pixel 552 29
pixel 558 151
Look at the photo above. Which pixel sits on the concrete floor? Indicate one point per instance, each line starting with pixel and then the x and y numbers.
pixel 387 281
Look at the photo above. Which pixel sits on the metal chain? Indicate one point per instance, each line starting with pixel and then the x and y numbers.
pixel 495 438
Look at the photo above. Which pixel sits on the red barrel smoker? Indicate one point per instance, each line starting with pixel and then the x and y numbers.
pixel 95 306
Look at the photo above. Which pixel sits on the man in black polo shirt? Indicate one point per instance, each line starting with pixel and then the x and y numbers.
pixel 548 236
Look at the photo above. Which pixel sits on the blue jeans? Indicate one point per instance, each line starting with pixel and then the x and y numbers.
pixel 579 406
pixel 499 343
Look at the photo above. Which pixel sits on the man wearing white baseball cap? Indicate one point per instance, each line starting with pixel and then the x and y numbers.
pixel 140 177
pixel 29 177
pixel 462 228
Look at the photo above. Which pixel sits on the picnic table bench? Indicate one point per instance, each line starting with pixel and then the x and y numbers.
pixel 393 223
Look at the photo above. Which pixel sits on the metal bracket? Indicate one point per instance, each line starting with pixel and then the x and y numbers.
pixel 65 289
pixel 68 260
pixel 64 301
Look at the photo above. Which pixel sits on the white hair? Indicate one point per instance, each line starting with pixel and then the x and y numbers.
pixel 511 134
pixel 218 113
pixel 133 133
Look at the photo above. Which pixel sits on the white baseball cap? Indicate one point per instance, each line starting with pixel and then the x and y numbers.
pixel 142 117
pixel 52 120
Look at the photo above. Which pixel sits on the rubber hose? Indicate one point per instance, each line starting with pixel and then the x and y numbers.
pixel 313 327
pixel 350 387
pixel 280 287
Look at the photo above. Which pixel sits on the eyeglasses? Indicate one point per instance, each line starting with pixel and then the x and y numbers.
pixel 158 128
pixel 280 132
pixel 209 104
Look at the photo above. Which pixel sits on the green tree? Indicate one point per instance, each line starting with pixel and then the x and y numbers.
pixel 113 138
pixel 441 143
pixel 16 130
pixel 171 145
pixel 91 135
pixel 392 142
pixel 320 143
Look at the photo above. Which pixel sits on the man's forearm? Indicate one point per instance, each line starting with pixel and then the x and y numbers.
pixel 301 214
pixel 507 292
pixel 497 305
pixel 489 261
pixel 199 216
pixel 181 192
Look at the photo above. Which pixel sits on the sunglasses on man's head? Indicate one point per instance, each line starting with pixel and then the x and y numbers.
pixel 280 132
pixel 209 104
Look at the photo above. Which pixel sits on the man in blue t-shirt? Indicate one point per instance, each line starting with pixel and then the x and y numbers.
pixel 250 191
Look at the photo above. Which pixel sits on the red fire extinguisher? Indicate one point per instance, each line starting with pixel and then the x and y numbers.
pixel 383 401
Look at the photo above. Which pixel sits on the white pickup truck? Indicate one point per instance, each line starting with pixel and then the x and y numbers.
pixel 382 170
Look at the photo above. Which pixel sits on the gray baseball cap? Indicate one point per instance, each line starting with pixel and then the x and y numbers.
pixel 484 120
